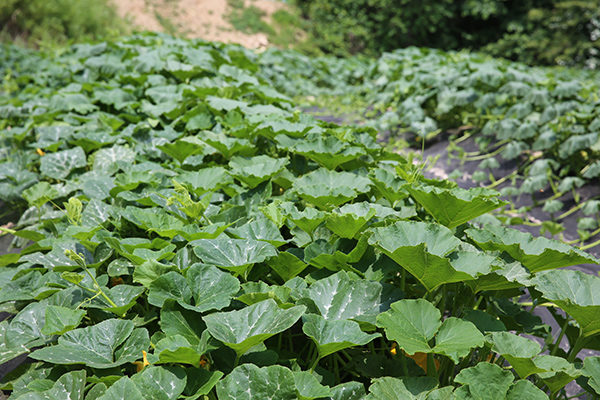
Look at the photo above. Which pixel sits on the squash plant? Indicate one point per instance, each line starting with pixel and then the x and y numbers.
pixel 545 119
pixel 188 235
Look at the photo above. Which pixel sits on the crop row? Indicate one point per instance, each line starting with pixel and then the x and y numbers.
pixel 190 235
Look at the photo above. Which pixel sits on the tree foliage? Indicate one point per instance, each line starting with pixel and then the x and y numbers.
pixel 533 31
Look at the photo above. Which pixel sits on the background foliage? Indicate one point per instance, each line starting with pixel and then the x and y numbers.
pixel 56 21
pixel 533 31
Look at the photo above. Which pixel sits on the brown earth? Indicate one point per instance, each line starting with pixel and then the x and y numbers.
pixel 203 19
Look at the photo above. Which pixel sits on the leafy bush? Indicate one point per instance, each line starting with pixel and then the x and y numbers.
pixel 58 21
pixel 194 235
pixel 537 32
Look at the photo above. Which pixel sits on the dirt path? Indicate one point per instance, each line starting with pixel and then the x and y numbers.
pixel 203 19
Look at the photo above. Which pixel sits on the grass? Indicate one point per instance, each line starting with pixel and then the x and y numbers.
pixel 248 20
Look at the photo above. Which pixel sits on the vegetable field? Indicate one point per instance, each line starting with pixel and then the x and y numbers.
pixel 188 233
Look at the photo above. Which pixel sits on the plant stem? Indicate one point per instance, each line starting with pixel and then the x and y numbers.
pixel 484 156
pixel 579 343
pixel 563 330
pixel 431 370
pixel 315 361
pixel 589 246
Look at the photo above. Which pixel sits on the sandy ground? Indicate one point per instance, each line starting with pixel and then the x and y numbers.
pixel 204 19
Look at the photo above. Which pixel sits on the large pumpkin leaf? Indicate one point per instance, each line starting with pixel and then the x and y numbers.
pixel 414 323
pixel 325 188
pixel 575 292
pixel 69 386
pixel 260 229
pixel 350 219
pixel 252 325
pixel 205 180
pixel 248 382
pixel 208 286
pixel 390 186
pixel 59 165
pixel 536 254
pixel 388 388
pixel 517 350
pixel 334 335
pixel 329 152
pixel 339 298
pixel 453 207
pixel 430 252
pixel 235 255
pixel 154 383
pixel 105 345
pixel 255 170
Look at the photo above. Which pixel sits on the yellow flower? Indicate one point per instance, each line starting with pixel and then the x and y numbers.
pixel 142 364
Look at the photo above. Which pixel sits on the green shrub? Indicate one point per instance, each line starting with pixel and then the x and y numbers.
pixel 58 21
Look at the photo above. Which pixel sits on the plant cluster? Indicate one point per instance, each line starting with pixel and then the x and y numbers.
pixel 192 236
pixel 547 120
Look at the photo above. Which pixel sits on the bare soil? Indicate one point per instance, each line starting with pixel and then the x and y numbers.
pixel 195 19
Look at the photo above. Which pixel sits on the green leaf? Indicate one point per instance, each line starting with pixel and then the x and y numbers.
pixel 338 298
pixel 200 382
pixel 575 292
pixel 287 265
pixel 248 382
pixel 254 170
pixel 176 349
pixel 348 391
pixel 205 180
pixel 308 220
pixel 308 387
pixel 591 369
pixel 209 287
pixel 260 229
pixel 388 388
pixel 329 152
pixel 226 145
pixel 123 296
pixel 453 207
pixel 39 194
pixel 59 165
pixel 105 160
pixel 524 389
pixel 61 319
pixel 69 386
pixel 430 252
pixel 486 381
pixel 153 383
pixel 155 220
pixel 350 219
pixel 536 254
pixel 456 337
pixel 252 325
pixel 236 255
pixel 178 321
pixel 23 332
pixel 325 188
pixel 517 350
pixel 334 335
pixel 411 323
pixel 105 345
pixel 483 321
pixel 414 323
pixel 183 148
pixel 390 186
pixel 557 371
